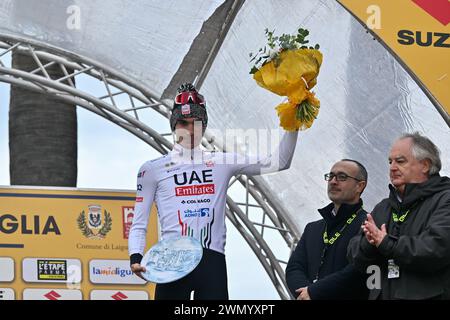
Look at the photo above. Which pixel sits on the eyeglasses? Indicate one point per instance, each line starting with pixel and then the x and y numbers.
pixel 189 96
pixel 339 176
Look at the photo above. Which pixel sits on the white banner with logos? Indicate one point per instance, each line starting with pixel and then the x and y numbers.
pixel 7 294
pixel 112 272
pixel 52 294
pixel 118 295
pixel 53 270
pixel 6 269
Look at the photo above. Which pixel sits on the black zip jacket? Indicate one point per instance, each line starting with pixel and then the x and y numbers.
pixel 337 279
pixel 420 246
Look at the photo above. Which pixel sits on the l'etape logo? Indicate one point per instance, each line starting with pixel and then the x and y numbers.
pixel 52 269
pixel 96 227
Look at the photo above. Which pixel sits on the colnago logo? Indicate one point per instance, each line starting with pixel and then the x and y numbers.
pixel 191 201
pixel 203 212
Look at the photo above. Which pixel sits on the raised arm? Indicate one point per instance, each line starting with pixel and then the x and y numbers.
pixel 279 160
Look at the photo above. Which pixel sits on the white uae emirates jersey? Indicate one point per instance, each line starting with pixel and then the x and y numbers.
pixel 190 189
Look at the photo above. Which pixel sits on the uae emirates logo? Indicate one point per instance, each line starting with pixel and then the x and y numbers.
pixel 96 227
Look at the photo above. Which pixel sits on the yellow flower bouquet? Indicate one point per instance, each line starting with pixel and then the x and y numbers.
pixel 289 68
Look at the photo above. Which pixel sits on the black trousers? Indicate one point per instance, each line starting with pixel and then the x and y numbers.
pixel 208 281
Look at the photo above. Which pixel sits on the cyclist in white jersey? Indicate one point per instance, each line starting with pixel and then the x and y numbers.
pixel 189 186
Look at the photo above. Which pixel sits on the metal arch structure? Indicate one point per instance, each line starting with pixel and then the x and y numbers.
pixel 270 213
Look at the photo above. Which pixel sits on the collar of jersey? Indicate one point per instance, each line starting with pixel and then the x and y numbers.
pixel 179 149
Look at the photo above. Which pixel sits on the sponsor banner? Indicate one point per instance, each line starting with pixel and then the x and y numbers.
pixel 7 294
pixel 112 272
pixel 52 294
pixel 127 220
pixel 51 270
pixel 66 228
pixel 118 295
pixel 417 32
pixel 6 269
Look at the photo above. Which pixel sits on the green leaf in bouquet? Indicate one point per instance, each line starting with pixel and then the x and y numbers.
pixel 305 112
pixel 275 45
pixel 254 70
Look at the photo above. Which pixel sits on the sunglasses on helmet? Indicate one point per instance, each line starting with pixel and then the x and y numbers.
pixel 189 97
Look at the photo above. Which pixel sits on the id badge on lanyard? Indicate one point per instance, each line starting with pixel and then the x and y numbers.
pixel 393 270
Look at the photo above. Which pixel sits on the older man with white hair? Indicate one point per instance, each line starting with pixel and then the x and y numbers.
pixel 408 234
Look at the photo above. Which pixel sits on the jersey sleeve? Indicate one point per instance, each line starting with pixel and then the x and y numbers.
pixel 277 161
pixel 145 194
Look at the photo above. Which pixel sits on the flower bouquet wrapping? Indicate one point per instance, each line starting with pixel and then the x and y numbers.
pixel 289 68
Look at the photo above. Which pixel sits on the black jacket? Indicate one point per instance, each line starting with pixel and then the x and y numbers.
pixel 337 279
pixel 420 246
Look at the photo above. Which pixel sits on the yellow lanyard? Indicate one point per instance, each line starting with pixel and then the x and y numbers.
pixel 402 218
pixel 338 233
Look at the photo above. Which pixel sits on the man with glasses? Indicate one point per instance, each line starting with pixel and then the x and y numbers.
pixel 189 186
pixel 407 236
pixel 318 268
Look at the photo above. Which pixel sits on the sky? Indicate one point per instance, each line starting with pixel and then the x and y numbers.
pixel 109 158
